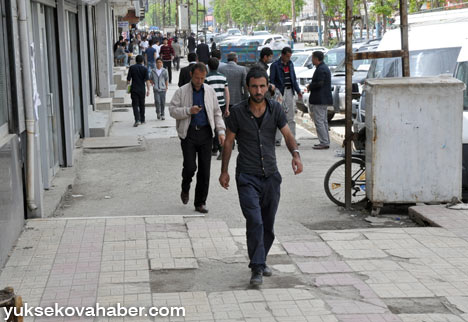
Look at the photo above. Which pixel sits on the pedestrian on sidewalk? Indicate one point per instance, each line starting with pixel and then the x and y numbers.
pixel 184 75
pixel 203 51
pixel 196 109
pixel 177 53
pixel 159 78
pixel 192 43
pixel 235 76
pixel 138 76
pixel 283 76
pixel 151 55
pixel 219 83
pixel 166 53
pixel 320 98
pixel 217 54
pixel 253 124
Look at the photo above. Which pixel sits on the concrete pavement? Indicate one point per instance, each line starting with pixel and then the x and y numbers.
pixel 123 236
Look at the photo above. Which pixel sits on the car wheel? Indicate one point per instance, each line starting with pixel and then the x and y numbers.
pixel 330 116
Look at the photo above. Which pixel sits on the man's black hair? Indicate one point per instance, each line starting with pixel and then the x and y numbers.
pixel 159 58
pixel 256 72
pixel 139 59
pixel 286 50
pixel 318 55
pixel 266 51
pixel 192 57
pixel 216 53
pixel 198 66
pixel 213 63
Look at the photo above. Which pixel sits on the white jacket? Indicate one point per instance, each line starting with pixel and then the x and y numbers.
pixel 182 102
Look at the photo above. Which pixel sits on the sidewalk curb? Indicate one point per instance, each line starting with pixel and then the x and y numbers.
pixel 418 216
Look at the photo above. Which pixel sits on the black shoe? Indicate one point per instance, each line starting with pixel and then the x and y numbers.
pixel 256 278
pixel 214 153
pixel 220 156
pixel 135 124
pixel 201 209
pixel 159 117
pixel 278 143
pixel 185 197
pixel 267 271
pixel 163 118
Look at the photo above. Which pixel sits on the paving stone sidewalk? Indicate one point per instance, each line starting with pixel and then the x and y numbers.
pixel 393 274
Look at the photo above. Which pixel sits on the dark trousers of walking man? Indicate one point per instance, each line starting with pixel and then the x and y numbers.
pixel 259 198
pixel 168 65
pixel 198 142
pixel 138 104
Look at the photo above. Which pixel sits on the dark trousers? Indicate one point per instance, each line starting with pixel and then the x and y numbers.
pixel 259 198
pixel 176 62
pixel 197 142
pixel 138 104
pixel 168 65
pixel 216 145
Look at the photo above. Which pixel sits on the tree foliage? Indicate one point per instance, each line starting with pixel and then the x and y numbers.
pixel 250 12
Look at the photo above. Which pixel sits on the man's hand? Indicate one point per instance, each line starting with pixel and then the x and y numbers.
pixel 224 180
pixel 299 96
pixel 226 113
pixel 221 139
pixel 147 92
pixel 195 109
pixel 297 165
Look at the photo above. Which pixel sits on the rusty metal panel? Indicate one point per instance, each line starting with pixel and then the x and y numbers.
pixel 414 139
pixel 378 54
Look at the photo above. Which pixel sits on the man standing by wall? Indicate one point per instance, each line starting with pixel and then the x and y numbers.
pixel 254 124
pixel 235 75
pixel 167 53
pixel 195 107
pixel 283 76
pixel 320 98
pixel 138 76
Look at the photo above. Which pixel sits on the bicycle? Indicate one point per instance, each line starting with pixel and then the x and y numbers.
pixel 334 182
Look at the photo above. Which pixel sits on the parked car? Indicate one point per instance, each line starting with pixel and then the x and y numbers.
pixel 261 33
pixel 234 32
pixel 302 61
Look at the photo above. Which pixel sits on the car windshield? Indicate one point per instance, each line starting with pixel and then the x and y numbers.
pixel 429 62
pixel 299 60
pixel 361 65
pixel 249 42
pixel 334 57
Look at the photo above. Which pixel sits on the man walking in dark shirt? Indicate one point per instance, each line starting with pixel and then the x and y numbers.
pixel 253 123
pixel 203 52
pixel 138 76
pixel 192 44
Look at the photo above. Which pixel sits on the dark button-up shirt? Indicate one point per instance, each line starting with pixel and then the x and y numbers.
pixel 256 144
pixel 200 119
pixel 138 74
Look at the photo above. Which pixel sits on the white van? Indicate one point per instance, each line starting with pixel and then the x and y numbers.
pixel 461 73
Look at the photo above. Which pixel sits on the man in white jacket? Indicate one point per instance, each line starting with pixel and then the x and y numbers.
pixel 195 107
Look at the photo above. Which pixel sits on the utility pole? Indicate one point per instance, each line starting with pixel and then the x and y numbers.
pixel 318 12
pixel 293 8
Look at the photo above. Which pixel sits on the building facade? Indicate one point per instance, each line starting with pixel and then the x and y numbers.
pixel 55 59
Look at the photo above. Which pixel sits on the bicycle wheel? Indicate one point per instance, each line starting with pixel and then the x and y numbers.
pixel 334 182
